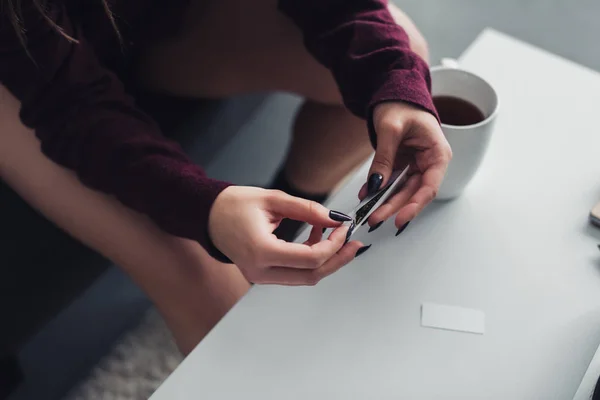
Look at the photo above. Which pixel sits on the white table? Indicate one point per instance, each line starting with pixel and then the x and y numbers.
pixel 517 245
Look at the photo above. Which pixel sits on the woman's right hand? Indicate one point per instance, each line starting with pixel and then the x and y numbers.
pixel 241 225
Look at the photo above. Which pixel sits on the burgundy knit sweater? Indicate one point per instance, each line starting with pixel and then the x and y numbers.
pixel 88 123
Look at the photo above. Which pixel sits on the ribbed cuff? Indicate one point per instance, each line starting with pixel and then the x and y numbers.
pixel 210 195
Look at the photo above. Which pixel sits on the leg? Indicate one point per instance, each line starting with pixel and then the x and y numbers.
pixel 328 142
pixel 191 290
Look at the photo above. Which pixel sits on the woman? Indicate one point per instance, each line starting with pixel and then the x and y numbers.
pixel 105 174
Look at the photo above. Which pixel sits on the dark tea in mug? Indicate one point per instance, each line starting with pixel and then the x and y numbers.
pixel 458 112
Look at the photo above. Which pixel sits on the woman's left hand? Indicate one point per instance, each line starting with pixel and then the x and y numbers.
pixel 407 134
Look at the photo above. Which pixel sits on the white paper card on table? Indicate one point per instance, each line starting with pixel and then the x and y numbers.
pixel 452 318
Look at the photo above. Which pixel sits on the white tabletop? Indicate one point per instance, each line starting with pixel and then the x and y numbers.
pixel 517 245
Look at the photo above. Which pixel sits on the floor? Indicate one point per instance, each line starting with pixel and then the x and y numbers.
pixel 566 27
pixel 135 367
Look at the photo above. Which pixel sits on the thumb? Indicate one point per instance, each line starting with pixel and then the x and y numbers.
pixel 304 210
pixel 382 166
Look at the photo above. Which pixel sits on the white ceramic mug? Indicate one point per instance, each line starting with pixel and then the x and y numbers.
pixel 469 143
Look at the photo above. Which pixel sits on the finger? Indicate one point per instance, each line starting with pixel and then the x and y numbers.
pixel 304 210
pixel 304 277
pixel 397 201
pixel 299 255
pixel 430 183
pixel 315 236
pixel 341 258
pixel 388 141
pixel 363 192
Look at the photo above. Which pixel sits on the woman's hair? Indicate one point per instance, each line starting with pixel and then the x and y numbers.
pixel 13 9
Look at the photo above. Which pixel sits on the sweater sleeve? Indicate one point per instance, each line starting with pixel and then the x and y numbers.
pixel 87 123
pixel 367 52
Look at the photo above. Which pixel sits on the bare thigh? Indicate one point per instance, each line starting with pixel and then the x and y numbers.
pixel 236 46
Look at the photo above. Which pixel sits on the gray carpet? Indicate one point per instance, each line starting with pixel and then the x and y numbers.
pixel 135 367
pixel 145 356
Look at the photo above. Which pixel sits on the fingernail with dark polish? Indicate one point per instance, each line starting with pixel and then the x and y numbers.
pixel 371 229
pixel 402 228
pixel 352 225
pixel 374 184
pixel 339 216
pixel 362 250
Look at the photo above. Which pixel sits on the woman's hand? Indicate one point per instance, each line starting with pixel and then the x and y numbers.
pixel 241 225
pixel 407 134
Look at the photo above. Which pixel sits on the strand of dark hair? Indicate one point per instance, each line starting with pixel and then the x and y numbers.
pixel 15 14
pixel 16 19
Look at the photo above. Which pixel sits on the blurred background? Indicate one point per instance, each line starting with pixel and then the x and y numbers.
pixel 253 130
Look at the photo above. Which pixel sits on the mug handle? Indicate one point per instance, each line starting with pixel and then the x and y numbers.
pixel 450 63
